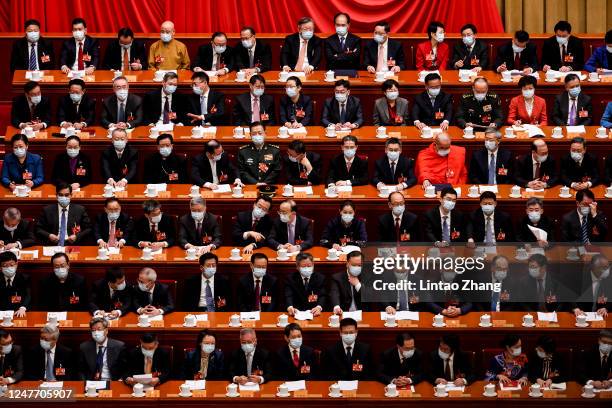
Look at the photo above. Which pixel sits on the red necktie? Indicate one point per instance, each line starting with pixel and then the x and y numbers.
pixel 296 359
pixel 112 239
pixel 517 60
pixel 81 65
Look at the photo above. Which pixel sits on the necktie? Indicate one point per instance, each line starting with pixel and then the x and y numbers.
pixel 166 115
pixel 121 117
pixel 126 60
pixel 251 58
pixel 433 101
pixel 306 283
pixel 537 170
pixel 32 63
pixel 148 365
pixel 605 370
pixel 393 170
pixel 302 57
pixel 381 64
pixel 290 234
pixel 348 167
pixel 255 114
pixel 217 62
pixel 540 290
pixel 249 359
pixel 494 301
pixel 517 60
pixel 296 359
pixel 584 230
pixel 80 64
pixel 563 54
pixel 257 294
pixel 210 304
pixel 154 232
pixel 489 231
pixel 204 365
pixel 403 300
pixel 49 374
pixel 112 240
pixel 445 229
pixel 349 356
pixel 447 370
pixel 353 305
pixel 342 44
pixel 492 168
pixel 62 230
pixel 342 113
pixel 199 229
pixel 546 368
pixel 9 283
pixel 397 228
pixel 99 361
pixel 571 120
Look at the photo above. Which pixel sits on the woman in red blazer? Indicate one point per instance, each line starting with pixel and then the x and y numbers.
pixel 433 54
pixel 518 105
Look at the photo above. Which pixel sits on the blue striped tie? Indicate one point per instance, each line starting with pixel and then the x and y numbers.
pixel 584 230
pixel 32 66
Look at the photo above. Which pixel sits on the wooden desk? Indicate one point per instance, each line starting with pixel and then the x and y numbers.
pixel 364 86
pixel 368 393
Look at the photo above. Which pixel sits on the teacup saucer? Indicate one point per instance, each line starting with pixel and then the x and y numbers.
pixel 439 325
pixel 142 258
pixel 392 395
pixel 441 395
pixel 390 325
pixel 528 325
pixel 231 258
pixel 485 325
pixel 430 195
pixel 333 325
pixel 506 80
pixel 334 396
pixel 583 395
pixel 473 195
pixel 469 136
pixel 565 195
pixel 143 325
pixel 237 195
pixel 286 258
pixel 138 395
pixel 608 196
pixel 185 325
pixel 234 325
pixel 185 395
pixel 106 258
pixel 278 394
pixel 581 324
pixel 573 258
pixel 332 259
pixel 594 80
pixel 282 325
pixel 191 258
pixel 237 394
pixel 551 80
pixel 108 195
pixel 484 394
pixel 532 395
pixel 91 395
pixel 287 195
pixel 514 195
pixel 7 325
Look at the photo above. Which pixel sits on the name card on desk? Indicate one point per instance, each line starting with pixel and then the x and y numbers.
pixel 549 393
pixel 349 393
pixel 247 394
pixel 504 394
pixel 198 393
pixel 300 394
pixel 105 393
pixel 407 393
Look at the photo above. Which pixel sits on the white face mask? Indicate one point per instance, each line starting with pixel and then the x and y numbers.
pixel 480 96
pixel 78 35
pixel 220 49
pixel 443 152
pixel 516 351
pixel 379 38
pixel 440 37
pixel 76 97
pixel 433 92
pixel 285 218
pixel 156 219
pixel 259 272
pixel 609 48
pixel 541 354
pixel 19 152
pixel 98 336
pixel 605 348
pixel 576 156
pixel 393 155
pixel 534 272
pixel 165 151
pixel 9 271
pixel 147 353
pixel 307 35
pixel 488 209
pixel 170 89
pixel 197 215
pixel 72 153
pixel 341 30
pixel 562 40
pixel 468 40
pixel 516 49
pixel 354 270
pixel 528 93
pixel 38 98
pixel 33 36
pixel 209 272
pixel 398 210
pixel 119 144
pixel 534 216
pixel 296 342
pixel 347 218
pixel 122 94
pixel 208 348
pixel 7 349
pixel 349 338
pixel 258 91
pixel 121 286
pixel 258 213
pixel 392 95
pixel 291 91
pixel 349 153
pixel 500 274
pixel 490 145
pixel 61 273
pixel 257 139
pixel 247 347
pixel 143 287
pixel 10 229
pixel 248 44
pixel 45 345
pixel 341 97
pixel 448 205
pixel 443 355
pixel 306 271
pixel 166 37
pixel 113 216
pixel 408 353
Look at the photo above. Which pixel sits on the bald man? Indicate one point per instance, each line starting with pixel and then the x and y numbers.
pixel 168 53
pixel 536 170
pixel 441 163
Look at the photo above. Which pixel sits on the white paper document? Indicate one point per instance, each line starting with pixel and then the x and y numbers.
pixel 6 313
pixel 143 378
pixel 249 386
pixel 295 385
pixel 158 187
pixel 250 315
pixel 532 130
pixel 575 129
pixel 556 386
pixel 347 249
pixel 484 187
pixel 348 385
pixel 401 315
pixel 298 131
pixel 306 190
pixel 158 318
pixel 100 385
pixel 53 385
pixel 168 127
pixel 593 317
pixel 345 189
pixel 534 190
pixel 453 387
pixel 59 315
pixel 196 384
pixel 547 317
pixel 538 233
pixel 201 318
pixel 52 250
pixel 222 188
pixel 303 315
pixel 357 315
pixel 113 250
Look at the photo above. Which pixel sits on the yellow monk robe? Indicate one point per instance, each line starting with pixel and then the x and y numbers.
pixel 441 170
pixel 167 56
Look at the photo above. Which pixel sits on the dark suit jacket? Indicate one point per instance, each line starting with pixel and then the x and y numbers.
pixel 523 170
pixel 222 294
pixel 120 168
pixel 63 360
pixel 291 51
pixel 63 173
pixel 462 367
pixel 48 223
pixel 262 58
pixel 555 294
pixel 524 234
pixel 91 47
pixel 293 170
pixel 204 58
pixel 424 112
pixel 201 171
pixel 244 223
pixel 336 232
pixel 479 166
pixel 551 54
pixel 585 300
pixel 12 364
pixel 114 55
pixel 340 291
pixel 68 296
pixel 158 169
pixel 262 364
pixel 331 111
pixel 409 224
pixel 432 227
pixel 561 110
pixel 19 293
pixel 285 370
pixel 242 109
pixel 216 365
pixel 390 366
pixel 246 293
pixel 303 232
pixel 160 367
pixel 215 106
pixel 395 51
pixel 347 58
pixel 123 227
pixel 528 57
pixel 339 367
pixel 211 231
pixel 288 110
pixel 479 52
pixel 115 357
pixel 591 368
pixel 404 171
pixel 306 298
pixel 67 110
pixel 100 298
pixel 558 371
pixel 503 229
pixel 572 172
pixel 23 234
pixel 20 56
pixel 162 298
pixel 142 231
pixel 358 175
pixel 571 227
pixel 20 111
pixel 133 110
pixel 152 107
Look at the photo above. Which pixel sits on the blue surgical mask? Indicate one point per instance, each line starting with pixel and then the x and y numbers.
pixel 349 338
pixel 528 93
pixel 433 91
pixel 534 216
pixel 291 91
pixel 341 97
pixel 354 270
pixel 197 90
pixel 306 35
pixel 258 213
pixel 166 37
pixel 170 89
pixel 562 40
pixel 576 156
pixel 574 92
pixel 119 144
pixel 33 36
pixel 257 139
pixel 295 342
pixel 341 30
pixel 487 209
pixel 63 201
pixel 347 218
pixel 165 151
pixel 220 49
pixel 379 38
pixel 306 271
pixel 448 205
pixel 259 272
pixel 349 153
pixel 113 216
pixel 398 210
pixel 98 336
pixel 258 91
pixel 392 95
pixel 480 96
pixel 468 40
pixel 393 156
pixel 208 348
pixel 122 94
pixel 76 97
pixel 197 215
pixel 36 99
pixel 209 272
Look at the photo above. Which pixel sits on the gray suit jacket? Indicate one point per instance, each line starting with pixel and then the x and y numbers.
pixel 381 112
pixel 115 357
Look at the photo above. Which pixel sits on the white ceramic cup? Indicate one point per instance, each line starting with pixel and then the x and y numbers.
pixel 241 75
pixel 330 75
pixel 332 253
pixel 283 320
pixel 464 76
pixel 102 253
pixel 237 190
pixel 468 131
pixel 282 389
pixel 334 320
pixel 485 319
pixel 7 320
pixel 159 75
pixel 36 75
pixel 138 389
pixel 565 190
pixel 473 190
pixel 381 131
pixel 195 190
pixel 143 320
pixel 391 390
pixel 390 320
pixel 29 131
pixel 430 190
pixel 593 76
pixel 380 76
pixel 21 191
pixel 334 390
pixel 550 76
pixel 601 131
pixel 283 131
pixel 588 390
pixel 147 253
pixel 506 75
pixel 184 389
pixel 191 253
pixel 528 319
pixel 235 253
pixel 190 320
pixel 288 189
pixel 231 389
pixel 235 320
pixel 440 389
pixel 91 390
pixel 438 320
pixel 283 76
pixel 281 253
pixel 489 389
pixel 108 190
pixel 516 190
pixel 238 131
pixel 332 190
pixel 581 319
pixel 536 389
pixel 509 132
pixel 426 132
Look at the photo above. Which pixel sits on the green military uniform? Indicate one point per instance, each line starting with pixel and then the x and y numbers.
pixel 259 165
pixel 480 112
